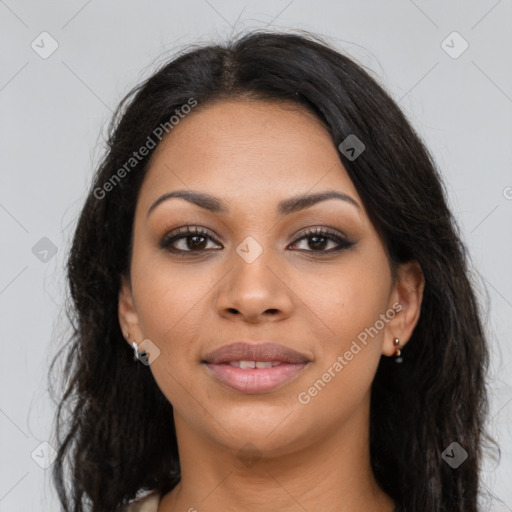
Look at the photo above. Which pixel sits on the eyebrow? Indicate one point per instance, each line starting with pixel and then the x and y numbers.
pixel 285 207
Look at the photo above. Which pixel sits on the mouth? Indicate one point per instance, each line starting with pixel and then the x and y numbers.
pixel 255 368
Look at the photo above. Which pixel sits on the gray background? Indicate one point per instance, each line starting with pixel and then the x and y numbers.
pixel 54 110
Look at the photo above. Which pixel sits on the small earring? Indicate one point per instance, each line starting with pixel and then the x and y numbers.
pixel 143 356
pixel 135 351
pixel 398 358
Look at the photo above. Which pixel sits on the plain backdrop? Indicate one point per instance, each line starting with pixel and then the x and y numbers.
pixel 55 106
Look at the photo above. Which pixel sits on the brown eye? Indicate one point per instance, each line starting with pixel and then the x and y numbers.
pixel 318 239
pixel 188 239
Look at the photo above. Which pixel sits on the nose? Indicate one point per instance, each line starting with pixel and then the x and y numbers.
pixel 255 292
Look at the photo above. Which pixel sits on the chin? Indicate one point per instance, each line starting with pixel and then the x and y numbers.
pixel 272 431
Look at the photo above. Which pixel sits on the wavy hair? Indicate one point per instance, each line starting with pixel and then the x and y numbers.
pixel 118 435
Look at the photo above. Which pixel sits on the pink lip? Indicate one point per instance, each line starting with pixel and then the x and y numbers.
pixel 255 380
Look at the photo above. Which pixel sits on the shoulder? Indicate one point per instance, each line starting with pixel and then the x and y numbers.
pixel 148 503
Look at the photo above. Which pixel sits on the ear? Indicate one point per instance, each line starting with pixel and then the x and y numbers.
pixel 405 299
pixel 128 316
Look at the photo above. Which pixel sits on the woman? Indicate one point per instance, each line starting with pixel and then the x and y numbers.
pixel 271 299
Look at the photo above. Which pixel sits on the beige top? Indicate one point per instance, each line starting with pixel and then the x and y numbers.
pixel 148 503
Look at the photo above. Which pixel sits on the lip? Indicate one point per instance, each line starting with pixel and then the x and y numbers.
pixel 244 351
pixel 255 380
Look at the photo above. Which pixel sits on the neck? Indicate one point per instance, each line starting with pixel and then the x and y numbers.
pixel 331 473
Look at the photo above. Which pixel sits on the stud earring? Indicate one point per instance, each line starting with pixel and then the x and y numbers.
pixel 143 356
pixel 135 351
pixel 398 358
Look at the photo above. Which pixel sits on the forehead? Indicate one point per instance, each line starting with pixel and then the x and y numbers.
pixel 247 149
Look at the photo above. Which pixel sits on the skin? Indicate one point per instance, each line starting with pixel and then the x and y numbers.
pixel 251 155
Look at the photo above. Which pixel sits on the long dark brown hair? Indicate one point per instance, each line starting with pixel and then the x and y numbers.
pixel 114 426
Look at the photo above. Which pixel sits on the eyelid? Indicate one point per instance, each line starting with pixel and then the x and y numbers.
pixel 320 230
pixel 184 232
pixel 331 234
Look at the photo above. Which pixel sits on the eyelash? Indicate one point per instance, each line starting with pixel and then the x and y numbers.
pixel 190 231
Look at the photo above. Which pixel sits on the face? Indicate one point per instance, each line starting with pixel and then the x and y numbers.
pixel 258 266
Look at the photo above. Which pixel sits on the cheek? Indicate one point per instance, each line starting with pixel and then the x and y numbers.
pixel 341 379
pixel 169 297
pixel 169 309
pixel 169 305
pixel 349 297
pixel 363 298
pixel 353 310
